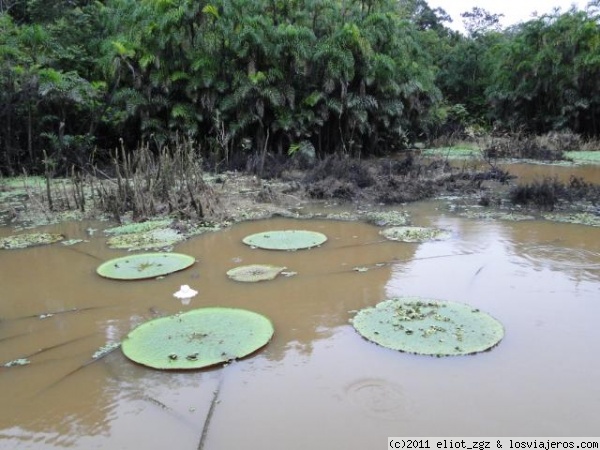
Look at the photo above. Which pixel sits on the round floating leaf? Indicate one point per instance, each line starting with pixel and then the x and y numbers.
pixel 414 234
pixel 29 240
pixel 285 240
pixel 199 338
pixel 255 272
pixel 428 327
pixel 145 265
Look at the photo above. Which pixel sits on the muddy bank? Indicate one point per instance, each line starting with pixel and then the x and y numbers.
pixel 287 189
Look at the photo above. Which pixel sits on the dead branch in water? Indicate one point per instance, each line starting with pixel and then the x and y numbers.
pixel 211 410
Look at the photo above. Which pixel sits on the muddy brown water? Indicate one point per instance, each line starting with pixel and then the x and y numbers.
pixel 317 384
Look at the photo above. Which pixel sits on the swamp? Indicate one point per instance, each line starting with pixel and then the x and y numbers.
pixel 540 278
pixel 302 225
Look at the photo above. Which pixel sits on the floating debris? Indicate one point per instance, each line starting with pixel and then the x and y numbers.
pixel 105 350
pixel 73 242
pixel 17 362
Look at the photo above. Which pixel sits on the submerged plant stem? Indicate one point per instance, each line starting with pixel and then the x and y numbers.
pixel 211 411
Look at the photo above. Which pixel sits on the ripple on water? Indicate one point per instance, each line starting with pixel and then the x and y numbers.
pixel 581 261
pixel 378 398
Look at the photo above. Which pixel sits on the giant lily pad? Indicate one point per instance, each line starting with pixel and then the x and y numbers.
pixel 285 240
pixel 199 338
pixel 255 272
pixel 145 265
pixel 29 240
pixel 428 327
pixel 414 234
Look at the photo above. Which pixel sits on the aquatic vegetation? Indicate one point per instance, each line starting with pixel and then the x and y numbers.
pixel 343 216
pixel 584 218
pixel 428 327
pixel 156 239
pixel 255 272
pixel 392 218
pixel 285 240
pixel 196 339
pixel 138 227
pixel 145 265
pixel 481 214
pixel 159 234
pixel 29 240
pixel 414 234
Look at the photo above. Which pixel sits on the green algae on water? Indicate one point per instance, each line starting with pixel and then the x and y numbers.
pixel 199 338
pixel 145 265
pixel 17 241
pixel 428 327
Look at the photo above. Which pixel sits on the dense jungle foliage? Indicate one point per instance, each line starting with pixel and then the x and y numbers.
pixel 79 79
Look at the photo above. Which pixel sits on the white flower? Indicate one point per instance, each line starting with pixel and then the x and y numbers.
pixel 185 292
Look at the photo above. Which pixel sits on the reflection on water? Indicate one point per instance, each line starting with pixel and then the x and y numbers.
pixel 529 172
pixel 541 280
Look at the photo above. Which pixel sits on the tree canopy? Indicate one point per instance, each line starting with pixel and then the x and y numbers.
pixel 239 77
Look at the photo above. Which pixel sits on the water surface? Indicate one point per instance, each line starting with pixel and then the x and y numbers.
pixel 317 384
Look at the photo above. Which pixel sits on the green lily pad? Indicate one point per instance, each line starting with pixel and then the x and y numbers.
pixel 414 234
pixel 145 265
pixel 428 327
pixel 285 240
pixel 29 240
pixel 199 338
pixel 255 272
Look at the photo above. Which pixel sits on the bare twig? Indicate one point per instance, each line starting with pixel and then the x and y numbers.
pixel 211 411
